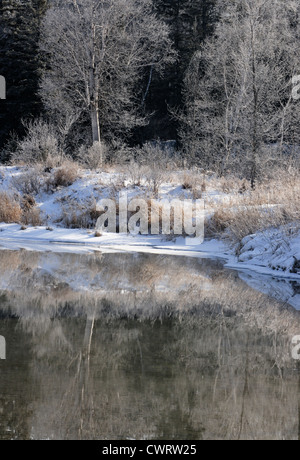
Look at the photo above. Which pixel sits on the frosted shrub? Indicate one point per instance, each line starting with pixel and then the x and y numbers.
pixel 40 145
pixel 93 157
pixel 30 182
pixel 155 162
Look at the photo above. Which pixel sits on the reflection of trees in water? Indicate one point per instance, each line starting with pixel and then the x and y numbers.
pixel 173 379
pixel 47 273
pixel 218 372
pixel 212 361
pixel 17 386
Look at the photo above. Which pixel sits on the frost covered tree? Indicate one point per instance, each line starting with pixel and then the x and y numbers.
pixel 98 53
pixel 238 88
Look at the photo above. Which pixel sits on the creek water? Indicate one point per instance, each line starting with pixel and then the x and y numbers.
pixel 132 346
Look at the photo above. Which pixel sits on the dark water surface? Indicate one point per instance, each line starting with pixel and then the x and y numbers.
pixel 127 346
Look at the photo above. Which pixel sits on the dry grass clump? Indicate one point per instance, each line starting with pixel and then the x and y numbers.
pixel 238 223
pixel 231 184
pixel 10 209
pixel 65 176
pixel 273 204
pixel 195 182
pixel 79 215
pixel 28 202
pixel 85 215
pixel 22 211
pixel 32 217
pixel 31 214
pixel 160 216
pixel 36 179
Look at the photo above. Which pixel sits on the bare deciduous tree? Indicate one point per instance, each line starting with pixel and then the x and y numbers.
pixel 98 52
pixel 238 88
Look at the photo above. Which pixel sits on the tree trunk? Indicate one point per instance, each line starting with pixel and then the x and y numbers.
pixel 94 91
pixel 95 125
pixel 253 172
pixel 96 131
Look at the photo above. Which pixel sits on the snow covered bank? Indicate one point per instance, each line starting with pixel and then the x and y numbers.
pixel 268 253
pixel 76 240
pixel 254 265
pixel 274 252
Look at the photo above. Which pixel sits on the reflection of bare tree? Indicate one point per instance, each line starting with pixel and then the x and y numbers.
pixel 16 384
pixel 86 403
pixel 79 395
pixel 245 391
pixel 105 392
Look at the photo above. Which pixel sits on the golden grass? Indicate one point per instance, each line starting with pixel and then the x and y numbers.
pixel 10 209
pixel 273 204
pixel 195 182
pixel 65 176
pixel 78 215
pixel 32 217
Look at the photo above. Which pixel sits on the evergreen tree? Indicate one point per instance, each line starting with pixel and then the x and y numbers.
pixel 20 62
pixel 190 22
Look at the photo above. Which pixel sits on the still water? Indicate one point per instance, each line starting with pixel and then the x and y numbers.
pixel 127 346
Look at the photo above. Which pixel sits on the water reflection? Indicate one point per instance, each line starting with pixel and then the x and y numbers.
pixel 282 289
pixel 122 346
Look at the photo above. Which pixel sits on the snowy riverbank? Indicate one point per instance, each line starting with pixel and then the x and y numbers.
pixel 274 252
pixel 268 253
